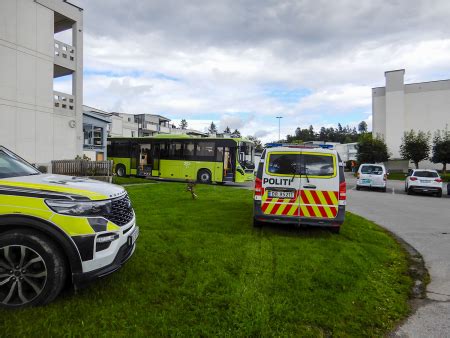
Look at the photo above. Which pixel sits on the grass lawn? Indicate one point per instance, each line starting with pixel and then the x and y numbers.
pixel 200 269
pixel 129 180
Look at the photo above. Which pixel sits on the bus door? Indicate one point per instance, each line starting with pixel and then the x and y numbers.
pixel 134 158
pixel 229 159
pixel 156 154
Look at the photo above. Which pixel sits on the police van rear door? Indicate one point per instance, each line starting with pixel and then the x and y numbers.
pixel 319 197
pixel 281 183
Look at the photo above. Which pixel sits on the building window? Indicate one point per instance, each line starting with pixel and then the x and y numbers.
pixel 133 133
pixel 93 135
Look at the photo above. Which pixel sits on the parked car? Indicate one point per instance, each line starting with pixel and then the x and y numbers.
pixel 302 185
pixel 56 229
pixel 424 181
pixel 371 176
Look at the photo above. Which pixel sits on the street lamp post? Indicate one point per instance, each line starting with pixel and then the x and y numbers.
pixel 279 127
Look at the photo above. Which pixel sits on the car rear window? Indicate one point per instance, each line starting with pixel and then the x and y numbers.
pixel 425 174
pixel 304 164
pixel 371 169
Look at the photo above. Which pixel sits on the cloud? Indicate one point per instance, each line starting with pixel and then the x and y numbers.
pixel 243 62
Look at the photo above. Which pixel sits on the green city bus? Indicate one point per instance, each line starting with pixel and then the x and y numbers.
pixel 183 157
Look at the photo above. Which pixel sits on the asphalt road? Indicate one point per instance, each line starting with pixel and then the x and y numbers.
pixel 424 222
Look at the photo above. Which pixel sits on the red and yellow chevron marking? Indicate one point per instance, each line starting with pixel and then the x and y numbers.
pixel 309 203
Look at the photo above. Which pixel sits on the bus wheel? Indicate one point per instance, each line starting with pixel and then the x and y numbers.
pixel 120 170
pixel 204 176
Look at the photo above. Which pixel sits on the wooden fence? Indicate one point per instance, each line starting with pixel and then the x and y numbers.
pixel 83 168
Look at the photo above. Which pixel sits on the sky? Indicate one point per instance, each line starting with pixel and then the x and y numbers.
pixel 242 63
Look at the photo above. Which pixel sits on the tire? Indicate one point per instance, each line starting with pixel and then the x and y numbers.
pixel 32 269
pixel 358 187
pixel 409 191
pixel 383 189
pixel 120 170
pixel 204 176
pixel 439 193
pixel 257 224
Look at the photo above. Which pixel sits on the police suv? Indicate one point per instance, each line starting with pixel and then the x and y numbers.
pixel 57 228
pixel 300 184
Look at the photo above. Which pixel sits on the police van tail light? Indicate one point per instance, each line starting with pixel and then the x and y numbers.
pixel 258 187
pixel 384 177
pixel 357 175
pixel 343 191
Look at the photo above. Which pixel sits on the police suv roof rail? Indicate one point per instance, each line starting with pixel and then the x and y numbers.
pixel 293 145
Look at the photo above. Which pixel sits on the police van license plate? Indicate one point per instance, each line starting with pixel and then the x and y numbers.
pixel 366 181
pixel 281 194
pixel 133 237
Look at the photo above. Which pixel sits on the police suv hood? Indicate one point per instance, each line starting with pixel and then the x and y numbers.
pixel 77 186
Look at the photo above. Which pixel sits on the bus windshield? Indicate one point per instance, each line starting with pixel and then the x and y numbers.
pixel 246 155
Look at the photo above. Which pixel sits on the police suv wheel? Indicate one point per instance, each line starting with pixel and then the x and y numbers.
pixel 32 269
pixel 204 176
pixel 120 170
pixel 257 224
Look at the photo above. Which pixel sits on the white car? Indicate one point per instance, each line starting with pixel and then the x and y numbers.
pixel 371 176
pixel 425 181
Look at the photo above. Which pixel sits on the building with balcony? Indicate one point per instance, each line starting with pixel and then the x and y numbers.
pixel 123 125
pixel 150 125
pixel 96 124
pixel 398 107
pixel 37 122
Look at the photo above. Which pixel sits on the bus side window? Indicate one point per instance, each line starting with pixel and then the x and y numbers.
pixel 205 151
pixel 219 155
pixel 122 149
pixel 188 152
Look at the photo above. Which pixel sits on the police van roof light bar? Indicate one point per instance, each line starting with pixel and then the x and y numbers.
pixel 291 145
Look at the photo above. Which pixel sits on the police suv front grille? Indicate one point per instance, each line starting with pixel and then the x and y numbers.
pixel 121 212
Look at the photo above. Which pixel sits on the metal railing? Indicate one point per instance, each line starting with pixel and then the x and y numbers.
pixel 83 168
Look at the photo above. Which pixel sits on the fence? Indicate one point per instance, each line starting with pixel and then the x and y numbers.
pixel 83 168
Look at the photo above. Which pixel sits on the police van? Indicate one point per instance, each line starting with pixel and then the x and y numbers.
pixel 300 184
pixel 56 229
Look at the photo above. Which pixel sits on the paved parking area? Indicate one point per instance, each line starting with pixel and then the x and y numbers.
pixel 424 222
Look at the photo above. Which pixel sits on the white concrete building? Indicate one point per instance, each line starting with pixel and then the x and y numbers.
pixel 35 121
pixel 400 107
pixel 123 125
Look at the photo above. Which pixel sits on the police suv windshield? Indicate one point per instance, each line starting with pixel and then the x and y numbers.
pixel 425 174
pixel 12 165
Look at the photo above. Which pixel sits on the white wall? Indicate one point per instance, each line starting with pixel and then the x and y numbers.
pixel 419 106
pixel 28 123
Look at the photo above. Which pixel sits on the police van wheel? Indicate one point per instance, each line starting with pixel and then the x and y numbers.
pixel 32 269
pixel 120 170
pixel 257 224
pixel 204 176
pixel 358 187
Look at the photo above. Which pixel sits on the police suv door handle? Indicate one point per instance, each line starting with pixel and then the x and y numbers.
pixel 309 186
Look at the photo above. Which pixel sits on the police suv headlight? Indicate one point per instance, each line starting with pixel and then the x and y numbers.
pixel 77 208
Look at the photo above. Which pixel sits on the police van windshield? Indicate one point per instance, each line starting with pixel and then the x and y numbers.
pixel 301 164
pixel 12 165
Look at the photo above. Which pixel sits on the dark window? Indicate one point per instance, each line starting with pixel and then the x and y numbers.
pixel 371 169
pixel 119 149
pixel 219 155
pixel 205 151
pixel 430 174
pixel 314 165
pixel 284 164
pixel 189 151
pixel 164 151
pixel 318 165
pixel 176 151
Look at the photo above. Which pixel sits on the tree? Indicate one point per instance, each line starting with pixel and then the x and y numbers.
pixel 183 124
pixel 441 149
pixel 258 145
pixel 212 128
pixel 415 146
pixel 362 127
pixel 371 150
pixel 227 130
pixel 236 133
